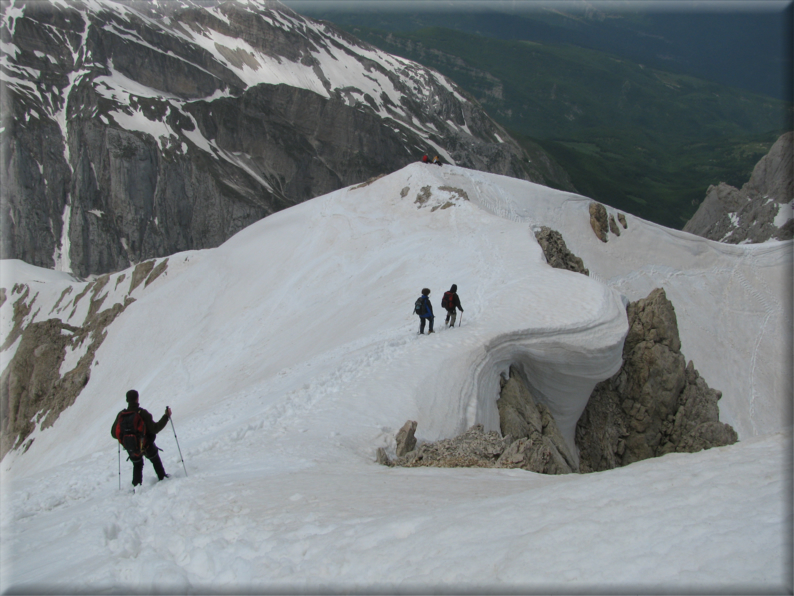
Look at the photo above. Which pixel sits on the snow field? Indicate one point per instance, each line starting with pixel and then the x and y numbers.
pixel 289 354
pixel 705 521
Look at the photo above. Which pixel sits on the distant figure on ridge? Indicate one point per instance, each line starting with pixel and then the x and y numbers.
pixel 424 309
pixel 436 160
pixel 451 301
pixel 135 429
pixel 425 158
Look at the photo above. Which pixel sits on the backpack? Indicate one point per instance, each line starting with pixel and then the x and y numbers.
pixel 419 306
pixel 448 301
pixel 130 430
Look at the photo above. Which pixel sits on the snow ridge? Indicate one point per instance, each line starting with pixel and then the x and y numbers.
pixel 289 354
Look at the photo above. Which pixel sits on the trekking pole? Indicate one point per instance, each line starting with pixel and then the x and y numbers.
pixel 170 419
pixel 119 466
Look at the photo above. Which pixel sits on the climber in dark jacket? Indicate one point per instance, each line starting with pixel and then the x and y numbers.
pixel 426 314
pixel 451 302
pixel 150 450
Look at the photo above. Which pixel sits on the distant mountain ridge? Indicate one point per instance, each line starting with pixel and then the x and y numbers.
pixel 133 130
pixel 761 210
pixel 643 140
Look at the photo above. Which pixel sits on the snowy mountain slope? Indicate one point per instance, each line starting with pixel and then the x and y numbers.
pixel 133 130
pixel 289 354
pixel 733 304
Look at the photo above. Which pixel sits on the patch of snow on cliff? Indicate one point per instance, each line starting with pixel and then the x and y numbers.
pixel 73 356
pixel 12 12
pixel 137 121
pixel 784 214
pixel 119 87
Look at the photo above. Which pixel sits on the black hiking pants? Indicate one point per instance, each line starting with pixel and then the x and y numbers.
pixel 422 324
pixel 152 454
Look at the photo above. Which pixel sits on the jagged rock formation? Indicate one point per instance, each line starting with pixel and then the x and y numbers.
pixel 556 251
pixel 656 403
pixel 136 130
pixel 760 211
pixel 598 221
pixel 52 361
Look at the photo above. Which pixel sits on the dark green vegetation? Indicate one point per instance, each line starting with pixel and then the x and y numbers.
pixel 742 45
pixel 631 136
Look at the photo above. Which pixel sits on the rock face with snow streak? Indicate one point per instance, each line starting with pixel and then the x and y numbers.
pixel 53 360
pixel 656 403
pixel 761 210
pixel 136 130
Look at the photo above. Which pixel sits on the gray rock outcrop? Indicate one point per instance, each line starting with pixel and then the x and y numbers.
pixel 598 221
pixel 406 441
pixel 761 210
pixel 656 403
pixel 124 137
pixel 556 251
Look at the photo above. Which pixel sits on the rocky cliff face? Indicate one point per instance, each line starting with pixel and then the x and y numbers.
pixel 656 403
pixel 133 130
pixel 761 210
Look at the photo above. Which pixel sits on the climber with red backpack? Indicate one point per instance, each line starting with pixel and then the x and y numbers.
pixel 135 429
pixel 450 302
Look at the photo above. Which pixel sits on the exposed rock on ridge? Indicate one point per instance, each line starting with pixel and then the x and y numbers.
pixel 603 223
pixel 761 210
pixel 656 403
pixel 598 221
pixel 556 251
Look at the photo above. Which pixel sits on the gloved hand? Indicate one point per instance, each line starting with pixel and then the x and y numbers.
pixel 168 411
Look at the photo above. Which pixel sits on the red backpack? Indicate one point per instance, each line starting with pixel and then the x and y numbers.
pixel 130 430
pixel 448 301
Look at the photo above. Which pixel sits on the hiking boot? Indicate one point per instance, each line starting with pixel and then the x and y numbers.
pixel 164 476
pixel 429 332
